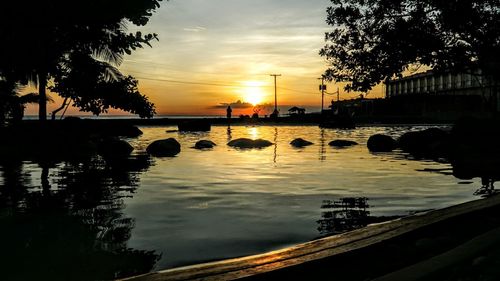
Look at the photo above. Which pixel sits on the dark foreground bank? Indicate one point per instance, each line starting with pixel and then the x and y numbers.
pixel 455 243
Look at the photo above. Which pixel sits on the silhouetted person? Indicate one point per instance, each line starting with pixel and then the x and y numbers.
pixel 228 113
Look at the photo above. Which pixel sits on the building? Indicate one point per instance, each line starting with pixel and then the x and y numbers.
pixel 467 87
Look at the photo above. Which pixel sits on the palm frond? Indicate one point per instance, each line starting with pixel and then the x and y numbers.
pixel 108 55
pixel 110 72
pixel 32 98
pixel 29 98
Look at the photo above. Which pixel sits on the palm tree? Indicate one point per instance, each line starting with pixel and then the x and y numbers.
pixel 36 44
pixel 12 104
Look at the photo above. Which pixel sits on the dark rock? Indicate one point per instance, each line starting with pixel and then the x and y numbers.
pixel 202 144
pixel 427 143
pixel 381 143
pixel 164 148
pixel 113 147
pixel 299 142
pixel 131 132
pixel 342 143
pixel 194 126
pixel 249 143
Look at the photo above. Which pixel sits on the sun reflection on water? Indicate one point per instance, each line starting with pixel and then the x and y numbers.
pixel 254 132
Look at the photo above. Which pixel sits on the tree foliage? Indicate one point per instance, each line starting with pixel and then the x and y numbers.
pixel 95 86
pixel 12 104
pixel 373 40
pixel 39 37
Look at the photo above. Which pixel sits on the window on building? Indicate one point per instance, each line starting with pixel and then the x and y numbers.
pixel 468 80
pixel 439 83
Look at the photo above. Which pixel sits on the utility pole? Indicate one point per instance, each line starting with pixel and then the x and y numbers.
pixel 275 112
pixel 322 88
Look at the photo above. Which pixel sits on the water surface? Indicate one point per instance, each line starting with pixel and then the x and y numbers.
pixel 225 202
pixel 118 218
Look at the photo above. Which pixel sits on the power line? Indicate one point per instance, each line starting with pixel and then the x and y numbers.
pixel 292 90
pixel 199 83
pixel 222 84
pixel 322 87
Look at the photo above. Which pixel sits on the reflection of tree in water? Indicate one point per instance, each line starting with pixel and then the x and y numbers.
pixel 343 215
pixel 14 181
pixel 75 229
pixel 346 214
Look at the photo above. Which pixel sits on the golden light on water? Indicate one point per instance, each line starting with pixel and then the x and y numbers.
pixel 254 132
pixel 254 92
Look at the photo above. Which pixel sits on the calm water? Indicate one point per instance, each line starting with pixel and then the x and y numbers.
pixel 203 205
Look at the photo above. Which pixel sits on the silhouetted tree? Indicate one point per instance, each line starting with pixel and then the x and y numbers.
pixel 12 104
pixel 374 40
pixel 39 36
pixel 96 86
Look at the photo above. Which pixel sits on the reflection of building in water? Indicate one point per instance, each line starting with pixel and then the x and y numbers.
pixel 343 215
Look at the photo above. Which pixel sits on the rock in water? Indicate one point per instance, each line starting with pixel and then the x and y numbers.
pixel 113 147
pixel 381 143
pixel 164 148
pixel 260 143
pixel 131 132
pixel 342 143
pixel 299 142
pixel 249 143
pixel 431 142
pixel 202 144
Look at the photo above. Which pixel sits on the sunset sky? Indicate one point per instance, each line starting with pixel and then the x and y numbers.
pixel 217 52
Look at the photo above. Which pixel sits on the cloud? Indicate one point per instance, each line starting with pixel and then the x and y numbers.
pixel 195 29
pixel 235 105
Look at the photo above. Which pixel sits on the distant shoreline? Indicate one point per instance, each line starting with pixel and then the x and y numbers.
pixel 281 121
pixel 292 120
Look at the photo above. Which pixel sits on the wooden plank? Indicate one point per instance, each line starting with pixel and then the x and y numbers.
pixel 315 250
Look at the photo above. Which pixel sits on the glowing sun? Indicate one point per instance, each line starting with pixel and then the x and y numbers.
pixel 253 92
